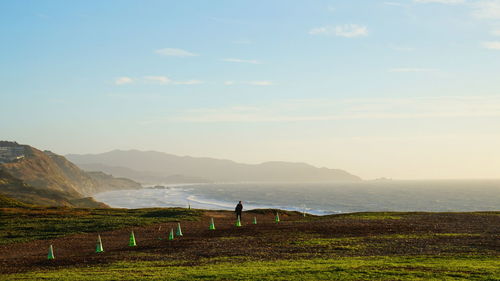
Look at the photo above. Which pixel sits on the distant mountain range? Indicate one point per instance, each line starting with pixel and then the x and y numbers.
pixel 159 167
pixel 39 177
pixel 45 178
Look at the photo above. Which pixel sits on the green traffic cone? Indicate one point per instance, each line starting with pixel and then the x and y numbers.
pixel 51 256
pixel 131 242
pixel 171 235
pixel 212 224
pixel 238 222
pixel 277 218
pixel 254 220
pixel 179 230
pixel 99 248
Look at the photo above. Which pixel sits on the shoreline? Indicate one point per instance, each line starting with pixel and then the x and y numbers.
pixel 317 199
pixel 179 197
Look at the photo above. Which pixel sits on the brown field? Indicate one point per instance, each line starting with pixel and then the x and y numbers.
pixel 352 235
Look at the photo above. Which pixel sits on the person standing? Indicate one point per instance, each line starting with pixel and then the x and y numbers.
pixel 238 210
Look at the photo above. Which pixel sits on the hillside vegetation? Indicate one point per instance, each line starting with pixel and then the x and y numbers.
pixel 47 170
pixel 45 178
pixel 15 190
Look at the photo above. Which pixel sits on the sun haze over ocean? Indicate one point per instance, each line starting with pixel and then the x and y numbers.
pixel 399 89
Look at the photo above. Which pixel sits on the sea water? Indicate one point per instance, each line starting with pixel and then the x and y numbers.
pixel 319 198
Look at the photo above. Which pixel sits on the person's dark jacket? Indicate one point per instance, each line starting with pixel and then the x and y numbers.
pixel 239 208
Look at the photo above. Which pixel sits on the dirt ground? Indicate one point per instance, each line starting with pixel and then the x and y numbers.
pixel 294 236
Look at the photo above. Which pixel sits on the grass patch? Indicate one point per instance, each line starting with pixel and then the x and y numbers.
pixel 230 238
pixel 370 268
pixel 327 241
pixel 336 244
pixel 273 212
pixel 426 235
pixel 373 216
pixel 24 224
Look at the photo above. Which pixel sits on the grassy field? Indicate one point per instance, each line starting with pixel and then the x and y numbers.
pixel 32 223
pixel 238 268
pixel 362 246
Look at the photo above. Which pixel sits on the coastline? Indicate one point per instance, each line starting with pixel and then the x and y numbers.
pixel 177 196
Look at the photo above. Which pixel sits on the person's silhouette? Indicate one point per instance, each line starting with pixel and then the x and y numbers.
pixel 238 210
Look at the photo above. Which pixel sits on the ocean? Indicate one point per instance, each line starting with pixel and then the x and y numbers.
pixel 319 198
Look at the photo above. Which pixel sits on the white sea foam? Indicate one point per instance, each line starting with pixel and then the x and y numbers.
pixel 319 199
pixel 179 197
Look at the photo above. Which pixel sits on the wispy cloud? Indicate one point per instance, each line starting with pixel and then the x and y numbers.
pixel 412 69
pixel 349 109
pixel 123 80
pixel 242 61
pixel 397 4
pixel 172 52
pixel 252 83
pixel 492 45
pixel 159 80
pixel 440 1
pixel 260 83
pixel 188 82
pixel 487 9
pixel 346 30
pixel 480 9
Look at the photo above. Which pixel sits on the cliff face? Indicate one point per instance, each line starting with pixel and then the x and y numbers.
pixel 108 182
pixel 40 171
pixel 46 178
pixel 13 188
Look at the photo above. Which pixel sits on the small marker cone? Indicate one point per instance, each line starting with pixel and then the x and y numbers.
pixel 277 218
pixel 238 222
pixel 254 220
pixel 51 256
pixel 99 248
pixel 179 230
pixel 171 235
pixel 212 224
pixel 131 242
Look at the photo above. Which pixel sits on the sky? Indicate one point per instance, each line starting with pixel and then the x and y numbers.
pixel 404 89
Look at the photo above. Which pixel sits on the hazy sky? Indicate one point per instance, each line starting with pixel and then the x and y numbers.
pixel 401 89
